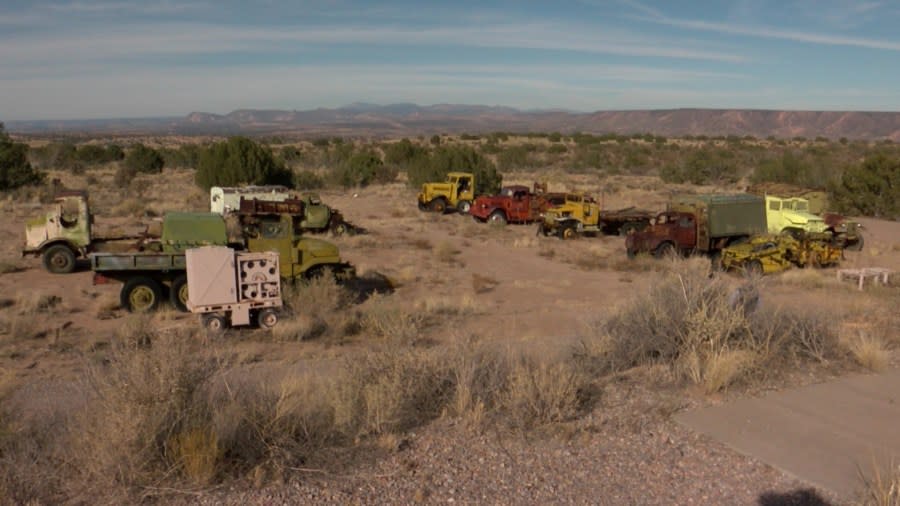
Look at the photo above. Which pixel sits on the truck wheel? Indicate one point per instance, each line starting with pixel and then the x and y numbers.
pixel 856 246
pixel 497 218
pixel 796 233
pixel 665 250
pixel 438 206
pixel 339 228
pixel 141 294
pixel 59 259
pixel 267 318
pixel 214 323
pixel 463 206
pixel 567 232
pixel 178 294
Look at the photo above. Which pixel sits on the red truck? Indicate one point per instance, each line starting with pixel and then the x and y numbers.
pixel 514 204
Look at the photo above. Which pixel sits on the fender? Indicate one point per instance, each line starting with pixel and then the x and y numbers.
pixel 44 245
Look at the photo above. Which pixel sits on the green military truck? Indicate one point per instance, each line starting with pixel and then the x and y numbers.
pixel 149 276
pixel 65 233
pixel 700 224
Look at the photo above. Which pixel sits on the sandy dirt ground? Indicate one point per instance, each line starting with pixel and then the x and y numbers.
pixel 537 294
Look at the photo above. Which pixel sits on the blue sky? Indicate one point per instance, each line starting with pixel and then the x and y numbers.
pixel 64 59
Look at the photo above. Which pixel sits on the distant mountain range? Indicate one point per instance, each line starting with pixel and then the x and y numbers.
pixel 395 120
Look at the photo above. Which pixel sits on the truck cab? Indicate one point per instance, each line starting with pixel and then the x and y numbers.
pixel 458 191
pixel 62 233
pixel 300 256
pixel 792 216
pixel 669 232
pixel 515 203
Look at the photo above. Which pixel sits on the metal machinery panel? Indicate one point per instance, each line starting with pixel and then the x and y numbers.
pixel 259 276
pixel 211 276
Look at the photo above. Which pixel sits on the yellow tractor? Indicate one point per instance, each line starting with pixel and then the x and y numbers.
pixel 765 254
pixel 457 192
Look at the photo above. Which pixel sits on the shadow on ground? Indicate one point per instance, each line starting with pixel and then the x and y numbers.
pixel 799 497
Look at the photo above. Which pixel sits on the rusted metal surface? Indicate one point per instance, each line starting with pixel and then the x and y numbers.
pixel 704 223
pixel 257 206
pixel 516 204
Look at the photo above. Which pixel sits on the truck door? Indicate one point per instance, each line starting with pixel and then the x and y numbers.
pixel 686 231
pixel 518 206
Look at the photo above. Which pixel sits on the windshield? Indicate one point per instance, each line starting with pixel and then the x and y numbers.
pixel 800 206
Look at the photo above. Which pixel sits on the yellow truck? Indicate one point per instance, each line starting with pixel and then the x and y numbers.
pixel 457 192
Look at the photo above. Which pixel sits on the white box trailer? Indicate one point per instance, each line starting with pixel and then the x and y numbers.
pixel 230 288
pixel 224 199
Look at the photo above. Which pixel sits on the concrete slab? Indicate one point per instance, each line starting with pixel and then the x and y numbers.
pixel 825 434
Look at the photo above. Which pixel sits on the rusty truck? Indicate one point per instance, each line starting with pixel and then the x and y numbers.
pixel 65 233
pixel 318 217
pixel 700 224
pixel 515 204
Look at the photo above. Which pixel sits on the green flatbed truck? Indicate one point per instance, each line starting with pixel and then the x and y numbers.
pixel 158 272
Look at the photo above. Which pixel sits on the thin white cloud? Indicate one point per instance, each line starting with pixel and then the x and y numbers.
pixel 646 9
pixel 118 7
pixel 187 39
pixel 775 33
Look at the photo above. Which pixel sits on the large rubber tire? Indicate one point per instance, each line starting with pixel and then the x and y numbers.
pixel 267 318
pixel 664 250
pixel 141 294
pixel 497 218
pixel 59 259
pixel 796 233
pixel 567 232
pixel 214 323
pixel 463 206
pixel 340 228
pixel 857 246
pixel 438 206
pixel 178 293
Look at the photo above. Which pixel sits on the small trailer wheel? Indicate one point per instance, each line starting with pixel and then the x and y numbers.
pixel 267 318
pixel 214 324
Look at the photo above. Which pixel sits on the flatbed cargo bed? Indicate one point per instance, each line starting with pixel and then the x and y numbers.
pixel 142 261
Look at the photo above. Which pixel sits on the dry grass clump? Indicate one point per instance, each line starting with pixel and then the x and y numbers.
pixel 869 350
pixel 539 393
pixel 24 315
pixel 316 308
pixel 390 392
pixel 482 283
pixel 882 488
pixel 171 415
pixel 711 333
pixel 447 252
pixel 388 318
pixel 516 391
pixel 809 279
pixel 147 408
